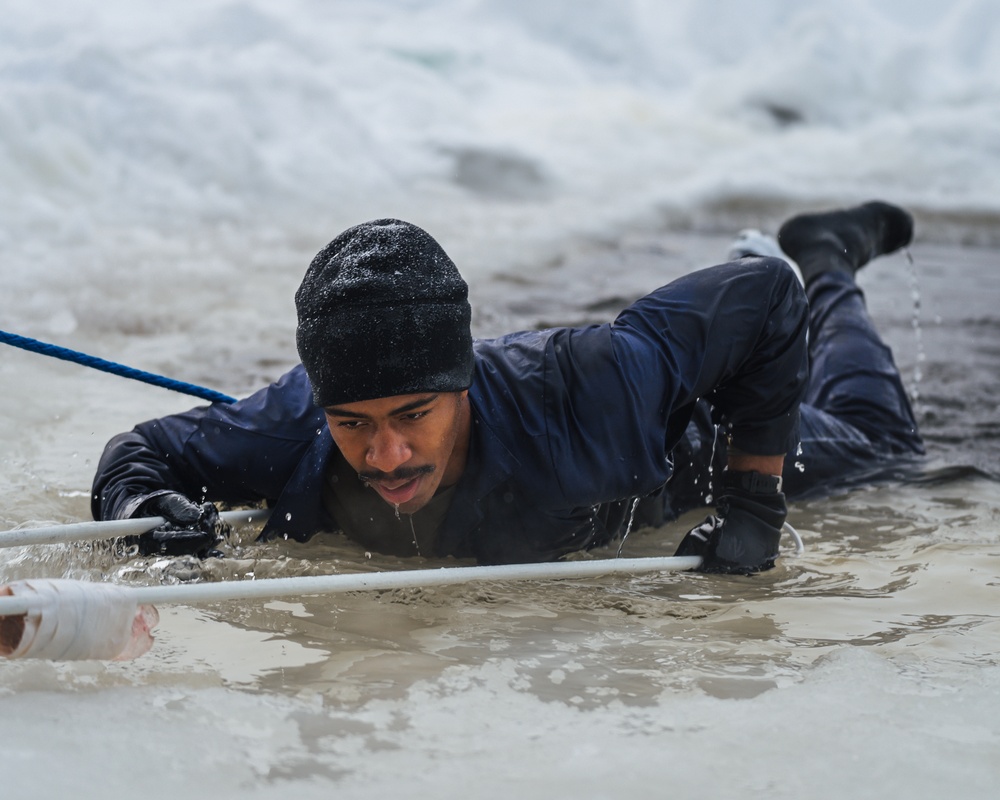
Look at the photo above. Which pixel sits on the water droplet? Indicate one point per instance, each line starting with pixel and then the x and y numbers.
pixel 800 466
pixel 288 517
pixel 917 333
pixel 628 528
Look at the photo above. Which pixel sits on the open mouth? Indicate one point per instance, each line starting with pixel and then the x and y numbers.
pixel 397 494
pixel 398 487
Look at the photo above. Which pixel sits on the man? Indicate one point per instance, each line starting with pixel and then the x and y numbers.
pixel 403 433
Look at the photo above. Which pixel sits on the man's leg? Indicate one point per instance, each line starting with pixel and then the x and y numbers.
pixel 856 416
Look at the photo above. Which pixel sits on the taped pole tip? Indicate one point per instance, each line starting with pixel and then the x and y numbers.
pixel 72 620
pixel 11 628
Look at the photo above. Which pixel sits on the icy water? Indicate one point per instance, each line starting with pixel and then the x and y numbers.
pixel 867 667
pixel 167 170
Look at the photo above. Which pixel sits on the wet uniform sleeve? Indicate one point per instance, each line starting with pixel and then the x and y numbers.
pixel 239 453
pixel 622 395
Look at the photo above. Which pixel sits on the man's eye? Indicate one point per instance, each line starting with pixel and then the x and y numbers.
pixel 350 424
pixel 415 415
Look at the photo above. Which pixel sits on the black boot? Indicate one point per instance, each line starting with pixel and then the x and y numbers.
pixel 845 240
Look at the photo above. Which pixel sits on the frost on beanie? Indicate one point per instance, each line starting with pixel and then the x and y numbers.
pixel 383 311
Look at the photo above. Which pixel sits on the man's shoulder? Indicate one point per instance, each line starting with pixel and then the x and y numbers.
pixel 509 372
pixel 284 409
pixel 524 383
pixel 511 346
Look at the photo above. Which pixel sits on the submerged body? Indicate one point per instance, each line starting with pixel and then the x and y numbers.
pixel 567 426
pixel 573 433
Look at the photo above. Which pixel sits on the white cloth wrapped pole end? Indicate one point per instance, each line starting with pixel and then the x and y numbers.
pixel 70 620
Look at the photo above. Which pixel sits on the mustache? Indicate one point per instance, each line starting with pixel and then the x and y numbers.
pixel 401 474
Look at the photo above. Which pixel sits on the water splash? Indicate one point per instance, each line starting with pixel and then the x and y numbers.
pixel 918 335
pixel 628 528
pixel 413 530
pixel 710 494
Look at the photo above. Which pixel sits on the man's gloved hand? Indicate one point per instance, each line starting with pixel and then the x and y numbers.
pixel 743 538
pixel 190 529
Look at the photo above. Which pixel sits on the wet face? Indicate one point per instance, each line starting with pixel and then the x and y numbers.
pixel 404 447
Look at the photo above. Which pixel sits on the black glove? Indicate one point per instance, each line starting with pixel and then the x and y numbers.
pixel 743 538
pixel 190 529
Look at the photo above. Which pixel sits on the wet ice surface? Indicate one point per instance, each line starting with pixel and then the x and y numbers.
pixel 953 362
pixel 867 666
pixel 878 645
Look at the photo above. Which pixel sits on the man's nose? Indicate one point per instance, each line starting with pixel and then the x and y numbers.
pixel 387 450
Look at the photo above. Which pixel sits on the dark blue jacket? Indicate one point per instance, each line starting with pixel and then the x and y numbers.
pixel 568 425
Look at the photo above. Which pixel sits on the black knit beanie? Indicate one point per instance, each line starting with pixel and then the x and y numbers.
pixel 382 312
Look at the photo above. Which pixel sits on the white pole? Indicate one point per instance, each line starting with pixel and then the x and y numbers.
pixel 269 588
pixel 109 529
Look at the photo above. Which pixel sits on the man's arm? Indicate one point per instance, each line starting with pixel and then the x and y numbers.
pixel 733 335
pixel 751 506
pixel 239 453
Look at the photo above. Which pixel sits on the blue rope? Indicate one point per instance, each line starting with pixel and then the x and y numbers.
pixel 65 354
